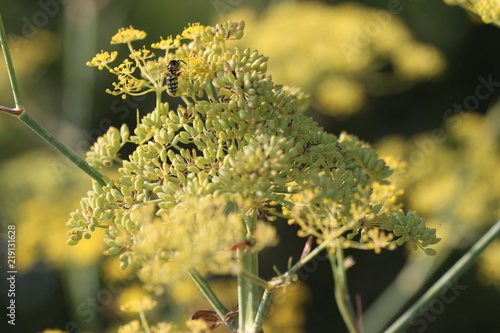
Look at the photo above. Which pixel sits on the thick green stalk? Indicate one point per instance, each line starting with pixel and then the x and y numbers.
pixel 248 291
pixel 452 274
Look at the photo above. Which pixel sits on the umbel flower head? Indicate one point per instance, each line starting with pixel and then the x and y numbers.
pixel 488 10
pixel 213 175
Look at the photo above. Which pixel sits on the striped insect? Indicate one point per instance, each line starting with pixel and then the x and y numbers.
pixel 173 70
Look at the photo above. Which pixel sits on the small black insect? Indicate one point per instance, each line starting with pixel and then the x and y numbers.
pixel 174 68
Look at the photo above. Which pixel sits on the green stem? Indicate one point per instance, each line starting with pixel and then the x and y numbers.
pixel 452 274
pixel 209 294
pixel 47 136
pixel 262 311
pixel 255 279
pixel 21 114
pixel 418 269
pixel 10 67
pixel 158 98
pixel 144 322
pixel 280 280
pixel 341 291
pixel 248 291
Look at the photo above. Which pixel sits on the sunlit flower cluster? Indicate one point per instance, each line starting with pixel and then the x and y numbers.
pixel 210 177
pixel 355 52
pixel 488 10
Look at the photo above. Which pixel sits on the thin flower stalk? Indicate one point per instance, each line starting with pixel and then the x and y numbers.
pixel 452 274
pixel 209 294
pixel 262 311
pixel 20 113
pixel 342 297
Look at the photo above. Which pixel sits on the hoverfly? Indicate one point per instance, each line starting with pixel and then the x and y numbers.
pixel 173 70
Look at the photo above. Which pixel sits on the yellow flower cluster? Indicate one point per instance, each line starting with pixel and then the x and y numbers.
pixel 141 306
pixel 127 35
pixel 136 306
pixel 488 10
pixel 206 180
pixel 337 53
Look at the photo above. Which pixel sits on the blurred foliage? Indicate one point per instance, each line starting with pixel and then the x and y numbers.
pixel 340 54
pixel 30 58
pixel 34 182
pixel 489 265
pixel 451 178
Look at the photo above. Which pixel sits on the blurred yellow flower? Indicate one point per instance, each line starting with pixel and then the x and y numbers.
pixel 142 305
pixel 42 236
pixel 415 61
pixel 36 205
pixel 132 327
pixel 336 53
pixel 30 56
pixel 287 314
pixel 340 96
pixel 198 326
pixel 452 180
pixel 489 265
pixel 129 296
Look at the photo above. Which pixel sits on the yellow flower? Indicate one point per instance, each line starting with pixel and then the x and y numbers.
pixel 127 35
pixel 166 44
pixel 132 327
pixel 488 10
pixel 198 326
pixel 339 96
pixel 193 31
pixel 141 54
pixel 142 305
pixel 102 59
pixel 351 43
pixel 164 327
pixel 418 62
pixel 205 178
pixel 265 236
pixel 287 313
pixel 489 265
pixel 40 211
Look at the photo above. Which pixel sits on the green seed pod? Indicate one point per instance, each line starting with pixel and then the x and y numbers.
pixel 112 251
pixel 72 242
pixel 193 169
